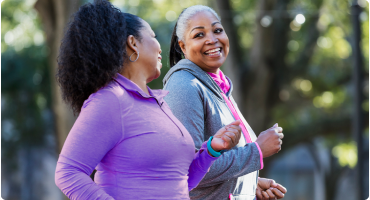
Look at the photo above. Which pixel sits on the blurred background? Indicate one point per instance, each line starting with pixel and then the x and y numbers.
pixel 303 64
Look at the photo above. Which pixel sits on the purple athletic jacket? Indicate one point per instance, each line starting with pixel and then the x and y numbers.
pixel 138 147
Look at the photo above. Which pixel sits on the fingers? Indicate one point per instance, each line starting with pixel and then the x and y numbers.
pixel 236 123
pixel 281 188
pixel 271 195
pixel 265 195
pixel 277 129
pixel 236 130
pixel 277 151
pixel 228 141
pixel 277 193
pixel 232 135
pixel 281 135
pixel 259 193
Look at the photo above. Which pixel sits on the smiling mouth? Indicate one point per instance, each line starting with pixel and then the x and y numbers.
pixel 213 52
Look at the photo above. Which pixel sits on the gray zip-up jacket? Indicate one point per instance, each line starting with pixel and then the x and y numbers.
pixel 196 100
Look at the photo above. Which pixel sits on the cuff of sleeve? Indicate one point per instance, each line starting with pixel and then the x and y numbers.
pixel 206 157
pixel 261 155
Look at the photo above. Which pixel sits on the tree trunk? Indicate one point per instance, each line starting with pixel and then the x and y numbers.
pixel 234 63
pixel 252 84
pixel 260 76
pixel 54 15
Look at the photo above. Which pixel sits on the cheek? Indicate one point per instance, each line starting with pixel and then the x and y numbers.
pixel 196 49
pixel 225 41
pixel 150 52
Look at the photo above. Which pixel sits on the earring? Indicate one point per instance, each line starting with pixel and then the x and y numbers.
pixel 136 57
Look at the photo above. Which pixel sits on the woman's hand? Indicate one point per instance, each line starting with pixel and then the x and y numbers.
pixel 270 141
pixel 267 189
pixel 227 137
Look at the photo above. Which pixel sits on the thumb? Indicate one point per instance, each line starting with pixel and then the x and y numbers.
pixel 273 183
pixel 275 125
pixel 236 123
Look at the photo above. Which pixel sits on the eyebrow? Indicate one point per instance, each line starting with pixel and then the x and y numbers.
pixel 202 27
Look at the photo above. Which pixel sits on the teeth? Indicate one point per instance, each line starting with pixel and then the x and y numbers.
pixel 213 50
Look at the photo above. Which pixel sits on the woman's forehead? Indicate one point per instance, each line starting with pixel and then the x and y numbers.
pixel 147 27
pixel 204 18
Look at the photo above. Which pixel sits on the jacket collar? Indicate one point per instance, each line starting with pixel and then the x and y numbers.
pixel 201 75
pixel 128 85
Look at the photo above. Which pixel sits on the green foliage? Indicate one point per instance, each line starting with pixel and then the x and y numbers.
pixel 317 95
pixel 26 94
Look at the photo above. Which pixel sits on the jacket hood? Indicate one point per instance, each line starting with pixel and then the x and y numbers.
pixel 201 75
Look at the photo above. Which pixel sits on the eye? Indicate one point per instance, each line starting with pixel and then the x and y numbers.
pixel 219 30
pixel 199 35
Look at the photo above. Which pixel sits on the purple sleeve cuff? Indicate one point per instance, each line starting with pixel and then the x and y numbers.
pixel 200 166
pixel 261 155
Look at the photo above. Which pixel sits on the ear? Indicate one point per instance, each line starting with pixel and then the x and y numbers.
pixel 131 45
pixel 182 46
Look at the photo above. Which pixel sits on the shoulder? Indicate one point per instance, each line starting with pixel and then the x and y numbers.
pixel 181 75
pixel 184 87
pixel 183 80
pixel 106 97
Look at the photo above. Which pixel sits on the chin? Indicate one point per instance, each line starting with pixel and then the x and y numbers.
pixel 157 75
pixel 215 61
pixel 216 64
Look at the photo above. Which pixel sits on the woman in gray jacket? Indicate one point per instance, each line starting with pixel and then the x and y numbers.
pixel 200 97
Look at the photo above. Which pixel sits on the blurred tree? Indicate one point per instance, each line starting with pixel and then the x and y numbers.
pixel 290 62
pixel 285 72
pixel 54 15
pixel 27 120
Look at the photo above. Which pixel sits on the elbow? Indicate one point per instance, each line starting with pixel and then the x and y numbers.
pixel 57 177
pixel 61 176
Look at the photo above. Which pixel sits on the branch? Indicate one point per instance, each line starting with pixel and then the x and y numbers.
pixel 45 8
pixel 301 64
pixel 321 127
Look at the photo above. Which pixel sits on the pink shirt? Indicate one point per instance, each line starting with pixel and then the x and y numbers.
pixel 224 85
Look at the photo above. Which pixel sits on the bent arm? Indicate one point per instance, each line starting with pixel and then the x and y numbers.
pixel 96 131
pixel 74 181
pixel 233 164
pixel 186 102
pixel 200 166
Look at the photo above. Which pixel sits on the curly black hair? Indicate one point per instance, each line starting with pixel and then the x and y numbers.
pixel 93 50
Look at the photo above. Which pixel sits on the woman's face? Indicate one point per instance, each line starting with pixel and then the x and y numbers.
pixel 150 53
pixel 206 43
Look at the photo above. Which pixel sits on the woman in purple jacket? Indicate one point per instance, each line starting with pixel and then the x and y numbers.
pixel 124 130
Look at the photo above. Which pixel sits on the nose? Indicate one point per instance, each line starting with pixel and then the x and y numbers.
pixel 160 51
pixel 211 39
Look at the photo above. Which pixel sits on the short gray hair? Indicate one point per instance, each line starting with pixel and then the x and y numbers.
pixel 182 22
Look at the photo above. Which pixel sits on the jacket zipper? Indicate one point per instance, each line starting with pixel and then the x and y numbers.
pixel 160 106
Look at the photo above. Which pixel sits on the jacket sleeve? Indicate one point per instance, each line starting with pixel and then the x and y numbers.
pixel 186 101
pixel 96 131
pixel 200 166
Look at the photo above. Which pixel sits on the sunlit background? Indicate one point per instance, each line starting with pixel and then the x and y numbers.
pixel 291 62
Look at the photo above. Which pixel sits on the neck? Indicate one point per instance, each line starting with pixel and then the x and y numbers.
pixel 134 75
pixel 211 70
pixel 207 68
pixel 215 71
